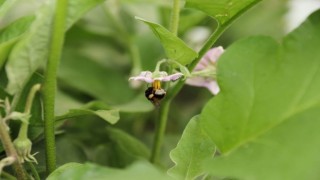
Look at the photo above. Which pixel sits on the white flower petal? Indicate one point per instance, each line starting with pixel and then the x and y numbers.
pixel 143 76
pixel 172 77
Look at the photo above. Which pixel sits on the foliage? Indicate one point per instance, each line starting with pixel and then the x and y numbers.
pixel 263 124
pixel 274 110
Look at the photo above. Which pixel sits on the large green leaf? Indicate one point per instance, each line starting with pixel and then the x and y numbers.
pixel 138 171
pixel 266 119
pixel 174 47
pixel 193 148
pixel 10 35
pixel 32 50
pixel 222 10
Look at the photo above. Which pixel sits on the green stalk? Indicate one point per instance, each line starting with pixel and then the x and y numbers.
pixel 50 83
pixel 174 20
pixel 11 151
pixel 8 176
pixel 165 105
pixel 209 43
pixel 23 132
pixel 160 130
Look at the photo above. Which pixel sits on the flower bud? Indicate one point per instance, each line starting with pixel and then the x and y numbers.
pixel 23 147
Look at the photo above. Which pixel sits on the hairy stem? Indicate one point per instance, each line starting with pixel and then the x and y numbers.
pixel 165 105
pixel 10 150
pixel 174 21
pixel 50 83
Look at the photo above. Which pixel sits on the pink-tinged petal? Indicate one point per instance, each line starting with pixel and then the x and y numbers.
pixel 172 77
pixel 143 76
pixel 210 58
pixel 210 84
pixel 213 87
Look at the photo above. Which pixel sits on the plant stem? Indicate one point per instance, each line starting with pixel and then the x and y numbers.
pixel 174 22
pixel 23 132
pixel 160 130
pixel 50 83
pixel 11 151
pixel 165 105
pixel 209 43
pixel 30 97
pixel 7 176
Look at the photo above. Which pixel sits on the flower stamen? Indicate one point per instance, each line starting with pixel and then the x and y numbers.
pixel 156 84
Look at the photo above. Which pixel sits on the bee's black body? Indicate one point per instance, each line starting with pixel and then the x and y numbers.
pixel 155 95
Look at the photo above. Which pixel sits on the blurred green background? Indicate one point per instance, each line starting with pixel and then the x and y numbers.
pixel 105 48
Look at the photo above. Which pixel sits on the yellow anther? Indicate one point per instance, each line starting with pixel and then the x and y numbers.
pixel 156 84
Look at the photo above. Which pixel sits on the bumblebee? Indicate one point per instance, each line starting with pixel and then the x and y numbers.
pixel 155 93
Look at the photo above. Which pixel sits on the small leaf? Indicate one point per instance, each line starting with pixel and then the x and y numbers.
pixel 58 172
pixel 266 119
pixel 111 116
pixel 193 148
pixel 174 47
pixel 138 171
pixel 222 10
pixel 32 51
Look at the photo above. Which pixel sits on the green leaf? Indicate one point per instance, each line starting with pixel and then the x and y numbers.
pixel 58 172
pixel 174 47
pixel 138 171
pixel 127 146
pixel 139 104
pixel 10 35
pixel 32 50
pixel 83 74
pixel 222 10
pixel 193 148
pixel 268 111
pixel 68 149
pixel 111 116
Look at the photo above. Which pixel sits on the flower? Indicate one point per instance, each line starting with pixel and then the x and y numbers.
pixel 204 72
pixel 155 93
pixel 150 77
